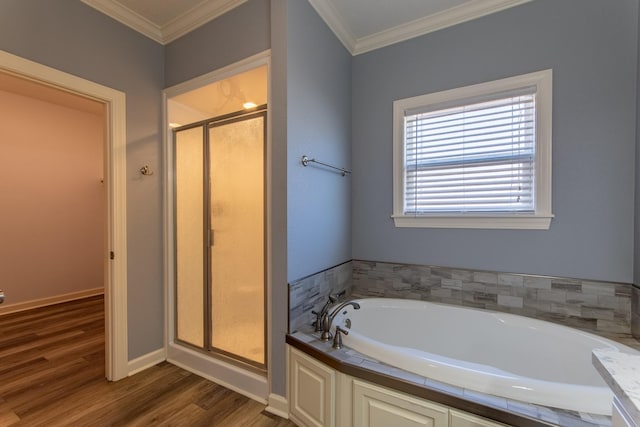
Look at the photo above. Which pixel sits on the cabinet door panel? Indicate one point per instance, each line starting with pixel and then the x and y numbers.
pixel 312 388
pixel 378 407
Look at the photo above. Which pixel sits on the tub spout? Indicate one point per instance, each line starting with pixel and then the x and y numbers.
pixel 327 319
pixel 343 305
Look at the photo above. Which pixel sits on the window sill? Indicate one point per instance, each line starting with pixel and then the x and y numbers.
pixel 489 221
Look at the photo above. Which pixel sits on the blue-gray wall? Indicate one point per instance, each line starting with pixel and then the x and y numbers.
pixel 319 126
pixel 310 109
pixel 74 38
pixel 591 45
pixel 238 34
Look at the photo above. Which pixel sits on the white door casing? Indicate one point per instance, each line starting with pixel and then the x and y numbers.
pixel 115 286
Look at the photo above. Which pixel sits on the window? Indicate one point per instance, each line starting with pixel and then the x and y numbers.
pixel 475 157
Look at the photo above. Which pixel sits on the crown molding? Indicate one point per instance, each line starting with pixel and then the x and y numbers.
pixel 197 16
pixel 208 10
pixel 332 18
pixel 465 12
pixel 456 15
pixel 128 17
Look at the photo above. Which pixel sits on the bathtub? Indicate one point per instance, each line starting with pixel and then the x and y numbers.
pixel 495 353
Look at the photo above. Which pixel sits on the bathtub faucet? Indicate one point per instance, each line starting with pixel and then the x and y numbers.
pixel 325 309
pixel 327 319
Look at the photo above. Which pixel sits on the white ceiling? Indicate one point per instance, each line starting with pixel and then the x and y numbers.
pixel 361 25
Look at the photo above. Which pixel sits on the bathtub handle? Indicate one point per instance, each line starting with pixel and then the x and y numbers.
pixel 337 338
pixel 318 322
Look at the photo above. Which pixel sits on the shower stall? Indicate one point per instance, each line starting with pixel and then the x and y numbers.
pixel 219 188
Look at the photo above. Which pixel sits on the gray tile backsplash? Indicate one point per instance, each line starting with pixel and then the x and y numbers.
pixel 589 305
pixel 310 293
pixel 604 307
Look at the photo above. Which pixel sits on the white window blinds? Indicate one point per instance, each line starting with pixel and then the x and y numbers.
pixel 475 157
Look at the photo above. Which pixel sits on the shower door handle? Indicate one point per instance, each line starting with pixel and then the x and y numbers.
pixel 211 237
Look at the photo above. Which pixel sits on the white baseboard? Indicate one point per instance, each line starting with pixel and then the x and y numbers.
pixel 278 405
pixel 42 302
pixel 146 361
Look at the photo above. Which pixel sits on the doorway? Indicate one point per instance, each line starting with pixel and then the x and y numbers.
pixel 51 179
pixel 114 181
pixel 216 226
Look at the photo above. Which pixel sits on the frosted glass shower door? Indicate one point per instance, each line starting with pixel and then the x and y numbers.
pixel 190 229
pixel 237 269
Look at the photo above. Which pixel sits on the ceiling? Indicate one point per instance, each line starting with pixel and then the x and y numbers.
pixel 361 25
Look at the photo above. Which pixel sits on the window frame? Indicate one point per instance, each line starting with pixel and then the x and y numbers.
pixel 538 220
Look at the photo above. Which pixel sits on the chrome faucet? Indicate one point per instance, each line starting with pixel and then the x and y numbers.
pixel 319 315
pixel 327 319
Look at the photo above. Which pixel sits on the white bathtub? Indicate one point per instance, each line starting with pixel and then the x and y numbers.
pixel 495 353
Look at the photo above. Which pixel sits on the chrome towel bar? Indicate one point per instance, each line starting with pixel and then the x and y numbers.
pixel 306 160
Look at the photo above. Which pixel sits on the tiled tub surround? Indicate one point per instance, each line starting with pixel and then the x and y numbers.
pixel 601 307
pixel 310 293
pixel 605 308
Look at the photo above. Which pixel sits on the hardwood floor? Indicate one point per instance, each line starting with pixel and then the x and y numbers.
pixel 52 374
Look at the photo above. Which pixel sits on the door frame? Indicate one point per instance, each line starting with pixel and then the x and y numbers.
pixel 250 384
pixel 115 283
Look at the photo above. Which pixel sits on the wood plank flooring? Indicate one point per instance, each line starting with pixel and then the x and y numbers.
pixel 52 374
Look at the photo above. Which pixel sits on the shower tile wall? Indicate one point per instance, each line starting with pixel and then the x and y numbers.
pixel 310 293
pixel 591 305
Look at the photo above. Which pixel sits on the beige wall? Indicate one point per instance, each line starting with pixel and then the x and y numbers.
pixel 51 199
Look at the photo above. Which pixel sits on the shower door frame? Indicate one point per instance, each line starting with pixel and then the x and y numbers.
pixel 208 347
